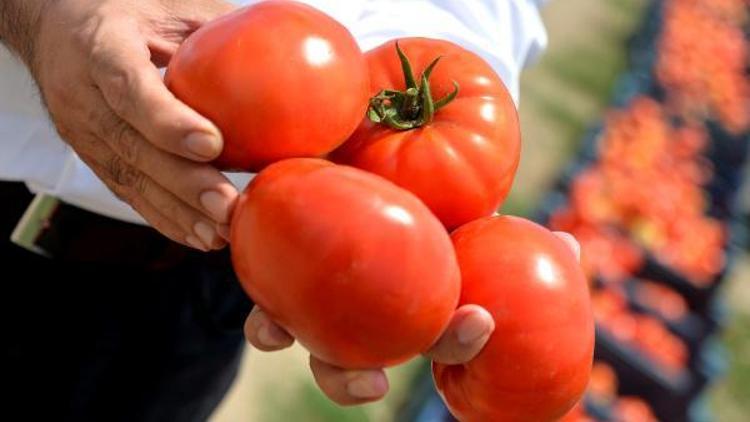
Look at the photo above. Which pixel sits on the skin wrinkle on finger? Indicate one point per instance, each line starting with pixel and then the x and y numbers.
pixel 171 208
pixel 149 213
pixel 185 179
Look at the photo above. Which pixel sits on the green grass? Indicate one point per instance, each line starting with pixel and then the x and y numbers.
pixel 730 397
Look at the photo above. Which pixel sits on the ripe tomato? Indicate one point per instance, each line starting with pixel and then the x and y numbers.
pixel 279 78
pixel 536 364
pixel 460 161
pixel 356 268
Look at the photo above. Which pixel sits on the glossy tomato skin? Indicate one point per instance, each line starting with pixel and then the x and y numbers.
pixel 279 78
pixel 462 164
pixel 356 268
pixel 537 362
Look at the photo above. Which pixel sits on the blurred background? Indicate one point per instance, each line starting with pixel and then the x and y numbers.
pixel 635 126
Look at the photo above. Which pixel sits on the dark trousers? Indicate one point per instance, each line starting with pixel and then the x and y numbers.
pixel 156 340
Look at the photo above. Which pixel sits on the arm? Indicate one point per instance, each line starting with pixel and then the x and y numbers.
pixel 95 66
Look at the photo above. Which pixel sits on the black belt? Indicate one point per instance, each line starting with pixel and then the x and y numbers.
pixel 64 232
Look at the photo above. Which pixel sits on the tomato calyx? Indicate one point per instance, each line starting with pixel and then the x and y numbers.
pixel 412 108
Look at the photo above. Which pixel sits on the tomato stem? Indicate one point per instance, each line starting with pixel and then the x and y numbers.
pixel 412 108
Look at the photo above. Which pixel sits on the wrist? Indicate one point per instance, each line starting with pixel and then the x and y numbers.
pixel 19 26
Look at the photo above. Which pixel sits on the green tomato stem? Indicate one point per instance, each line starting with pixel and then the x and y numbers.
pixel 412 108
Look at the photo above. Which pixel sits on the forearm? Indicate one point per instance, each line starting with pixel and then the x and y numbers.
pixel 19 23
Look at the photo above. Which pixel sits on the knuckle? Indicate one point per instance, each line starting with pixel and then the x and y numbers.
pixel 87 35
pixel 116 87
pixel 116 171
pixel 113 77
pixel 120 192
pixel 125 140
pixel 105 122
pixel 126 175
pixel 122 137
pixel 141 183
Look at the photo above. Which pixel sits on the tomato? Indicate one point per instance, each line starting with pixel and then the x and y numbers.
pixel 462 159
pixel 356 268
pixel 280 79
pixel 633 409
pixel 537 362
pixel 603 383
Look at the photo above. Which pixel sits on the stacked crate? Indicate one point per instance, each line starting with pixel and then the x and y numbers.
pixel 655 198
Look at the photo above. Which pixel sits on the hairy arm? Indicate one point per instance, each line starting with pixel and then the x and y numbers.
pixel 19 21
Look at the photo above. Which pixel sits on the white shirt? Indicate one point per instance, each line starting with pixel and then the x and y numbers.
pixel 506 33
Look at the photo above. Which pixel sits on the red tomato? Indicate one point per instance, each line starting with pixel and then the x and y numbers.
pixel 280 79
pixel 633 409
pixel 356 268
pixel 603 383
pixel 536 364
pixel 460 161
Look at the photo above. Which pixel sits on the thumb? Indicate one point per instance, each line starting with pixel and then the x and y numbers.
pixel 176 20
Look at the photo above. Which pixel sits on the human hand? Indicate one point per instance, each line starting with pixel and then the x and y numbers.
pixel 96 66
pixel 466 335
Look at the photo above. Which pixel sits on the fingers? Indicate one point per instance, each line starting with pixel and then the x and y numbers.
pixel 184 224
pixel 349 387
pixel 186 217
pixel 265 334
pixel 199 185
pixel 149 213
pixel 571 241
pixel 192 15
pixel 345 387
pixel 134 90
pixel 466 335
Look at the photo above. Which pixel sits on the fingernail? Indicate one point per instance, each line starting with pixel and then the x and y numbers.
pixel 216 204
pixel 367 385
pixel 197 244
pixel 203 144
pixel 205 233
pixel 471 329
pixel 271 335
pixel 223 231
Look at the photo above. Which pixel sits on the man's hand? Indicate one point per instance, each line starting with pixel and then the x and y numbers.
pixel 466 335
pixel 96 65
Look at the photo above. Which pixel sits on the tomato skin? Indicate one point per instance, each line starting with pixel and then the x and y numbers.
pixel 356 268
pixel 537 362
pixel 462 164
pixel 279 78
